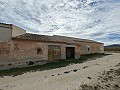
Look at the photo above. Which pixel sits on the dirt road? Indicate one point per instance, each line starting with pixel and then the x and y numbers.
pixel 72 77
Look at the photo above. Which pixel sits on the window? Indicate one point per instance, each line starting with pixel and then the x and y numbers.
pixel 88 49
pixel 39 51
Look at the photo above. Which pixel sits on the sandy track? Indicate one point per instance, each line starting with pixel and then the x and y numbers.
pixel 65 78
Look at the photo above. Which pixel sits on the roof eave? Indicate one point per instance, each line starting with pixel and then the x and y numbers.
pixel 37 40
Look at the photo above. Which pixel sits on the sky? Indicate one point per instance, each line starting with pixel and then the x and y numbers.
pixel 90 19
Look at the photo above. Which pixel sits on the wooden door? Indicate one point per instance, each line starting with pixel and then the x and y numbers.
pixel 54 52
pixel 50 54
pixel 70 52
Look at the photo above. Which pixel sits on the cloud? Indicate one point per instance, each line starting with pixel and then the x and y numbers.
pixel 92 19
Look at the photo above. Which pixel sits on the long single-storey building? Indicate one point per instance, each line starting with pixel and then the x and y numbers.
pixel 20 48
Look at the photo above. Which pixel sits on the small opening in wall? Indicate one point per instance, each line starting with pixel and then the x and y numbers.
pixel 88 49
pixel 16 46
pixel 39 51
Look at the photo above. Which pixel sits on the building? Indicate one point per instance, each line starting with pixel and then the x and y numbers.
pixel 20 48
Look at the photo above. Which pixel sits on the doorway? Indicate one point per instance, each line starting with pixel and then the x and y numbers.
pixel 54 52
pixel 70 52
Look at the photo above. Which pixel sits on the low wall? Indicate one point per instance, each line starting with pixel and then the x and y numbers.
pixel 21 64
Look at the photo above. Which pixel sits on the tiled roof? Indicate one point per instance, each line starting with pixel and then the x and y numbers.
pixel 37 37
pixel 73 40
pixel 55 38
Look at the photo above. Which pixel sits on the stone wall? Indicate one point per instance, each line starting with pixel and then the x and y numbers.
pixel 77 51
pixel 87 48
pixel 17 53
pixel 4 52
pixel 21 52
pixel 29 50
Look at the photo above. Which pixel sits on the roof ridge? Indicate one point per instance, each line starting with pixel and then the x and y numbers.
pixel 73 37
pixel 6 23
pixel 38 34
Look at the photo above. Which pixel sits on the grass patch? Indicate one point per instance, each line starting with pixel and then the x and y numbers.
pixel 51 65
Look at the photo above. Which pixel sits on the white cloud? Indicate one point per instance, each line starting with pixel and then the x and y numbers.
pixel 92 19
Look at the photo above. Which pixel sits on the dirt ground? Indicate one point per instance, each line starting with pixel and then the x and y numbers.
pixel 99 74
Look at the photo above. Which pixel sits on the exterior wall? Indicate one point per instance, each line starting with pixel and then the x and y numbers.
pixel 16 31
pixel 18 52
pixel 9 31
pixel 23 51
pixel 4 52
pixel 27 51
pixel 101 48
pixel 77 52
pixel 93 48
pixel 5 33
pixel 63 50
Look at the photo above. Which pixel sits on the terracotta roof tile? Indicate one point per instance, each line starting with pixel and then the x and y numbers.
pixel 55 38
pixel 37 37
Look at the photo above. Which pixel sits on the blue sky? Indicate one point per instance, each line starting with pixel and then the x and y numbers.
pixel 91 19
